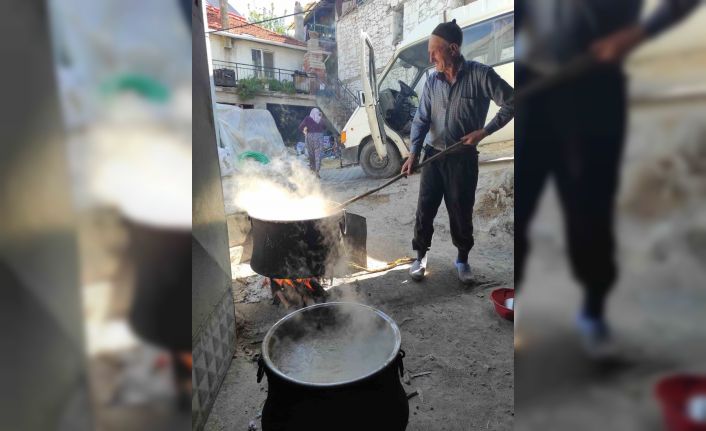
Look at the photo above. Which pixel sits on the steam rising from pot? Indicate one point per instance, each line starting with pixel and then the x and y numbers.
pixel 282 190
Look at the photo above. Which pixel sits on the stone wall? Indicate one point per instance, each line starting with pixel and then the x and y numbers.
pixel 416 11
pixel 376 18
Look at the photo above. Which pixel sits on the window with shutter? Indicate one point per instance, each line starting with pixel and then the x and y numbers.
pixel 269 63
pixel 257 62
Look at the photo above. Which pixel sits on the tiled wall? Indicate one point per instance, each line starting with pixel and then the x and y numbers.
pixel 212 309
pixel 212 352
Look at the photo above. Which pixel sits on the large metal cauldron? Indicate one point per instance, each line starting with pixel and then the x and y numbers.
pixel 296 248
pixel 334 366
pixel 162 258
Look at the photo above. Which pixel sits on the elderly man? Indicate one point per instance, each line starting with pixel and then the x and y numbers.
pixel 453 107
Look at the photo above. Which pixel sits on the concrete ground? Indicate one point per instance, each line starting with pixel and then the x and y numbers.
pixel 447 329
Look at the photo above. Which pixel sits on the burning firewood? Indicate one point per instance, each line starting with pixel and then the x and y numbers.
pixel 297 293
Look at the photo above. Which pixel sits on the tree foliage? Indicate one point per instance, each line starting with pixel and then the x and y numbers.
pixel 262 14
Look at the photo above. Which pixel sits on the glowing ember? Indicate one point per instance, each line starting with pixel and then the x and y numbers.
pixel 297 293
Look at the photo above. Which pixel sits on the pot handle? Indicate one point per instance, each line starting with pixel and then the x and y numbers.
pixel 260 369
pixel 400 364
pixel 343 223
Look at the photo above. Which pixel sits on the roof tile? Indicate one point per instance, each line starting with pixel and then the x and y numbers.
pixel 214 22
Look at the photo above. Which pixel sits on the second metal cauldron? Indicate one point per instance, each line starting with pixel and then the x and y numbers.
pixel 334 366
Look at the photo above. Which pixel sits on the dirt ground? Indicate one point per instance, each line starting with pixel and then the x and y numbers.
pixel 447 329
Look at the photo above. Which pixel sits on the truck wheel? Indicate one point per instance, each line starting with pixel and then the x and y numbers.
pixel 374 166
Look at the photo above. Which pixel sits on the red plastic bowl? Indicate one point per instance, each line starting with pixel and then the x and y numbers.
pixel 673 393
pixel 498 297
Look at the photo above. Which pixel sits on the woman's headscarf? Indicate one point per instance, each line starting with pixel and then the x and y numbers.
pixel 315 115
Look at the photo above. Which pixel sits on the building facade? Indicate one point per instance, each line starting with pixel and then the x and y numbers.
pixel 387 22
pixel 245 52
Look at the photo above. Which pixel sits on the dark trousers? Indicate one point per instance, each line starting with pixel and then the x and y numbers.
pixel 452 178
pixel 573 133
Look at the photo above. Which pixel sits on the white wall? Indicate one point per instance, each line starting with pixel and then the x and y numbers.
pixel 284 57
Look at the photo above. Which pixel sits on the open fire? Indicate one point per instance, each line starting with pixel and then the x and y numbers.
pixel 297 293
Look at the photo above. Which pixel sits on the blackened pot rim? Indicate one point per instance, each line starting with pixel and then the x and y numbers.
pixel 335 212
pixel 388 362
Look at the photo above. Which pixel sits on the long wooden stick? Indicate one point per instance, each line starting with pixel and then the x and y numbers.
pixel 575 68
pixel 400 176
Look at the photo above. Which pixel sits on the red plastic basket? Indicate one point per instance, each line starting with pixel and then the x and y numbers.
pixel 498 296
pixel 673 393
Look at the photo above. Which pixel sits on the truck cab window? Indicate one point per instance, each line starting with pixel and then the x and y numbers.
pixel 398 97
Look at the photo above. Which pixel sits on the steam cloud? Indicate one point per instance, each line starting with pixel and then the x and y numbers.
pixel 281 190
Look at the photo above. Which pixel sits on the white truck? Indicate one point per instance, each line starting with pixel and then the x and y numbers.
pixel 377 133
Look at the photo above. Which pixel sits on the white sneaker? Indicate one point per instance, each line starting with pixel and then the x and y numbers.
pixel 465 275
pixel 418 269
pixel 596 338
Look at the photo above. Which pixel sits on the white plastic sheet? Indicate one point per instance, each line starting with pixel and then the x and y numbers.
pixel 126 91
pixel 244 130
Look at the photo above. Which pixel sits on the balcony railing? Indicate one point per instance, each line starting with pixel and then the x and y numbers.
pixel 229 74
pixel 326 32
pixel 240 71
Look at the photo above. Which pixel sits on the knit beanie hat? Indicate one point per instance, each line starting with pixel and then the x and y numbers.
pixel 449 31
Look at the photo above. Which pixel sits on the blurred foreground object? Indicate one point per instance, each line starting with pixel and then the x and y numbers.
pixel 574 132
pixel 643 218
pixel 124 70
pixel 683 399
pixel 42 363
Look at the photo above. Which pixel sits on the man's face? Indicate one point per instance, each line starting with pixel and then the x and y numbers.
pixel 441 53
